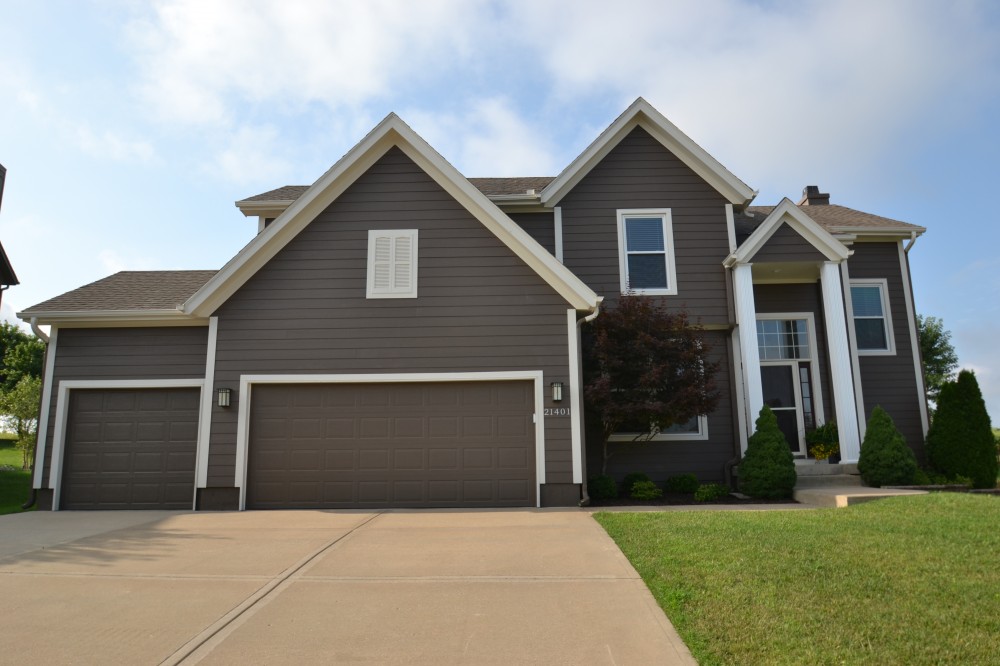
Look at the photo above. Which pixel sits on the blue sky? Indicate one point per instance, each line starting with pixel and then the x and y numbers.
pixel 129 128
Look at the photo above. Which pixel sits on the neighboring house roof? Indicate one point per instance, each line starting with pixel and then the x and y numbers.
pixel 392 131
pixel 642 114
pixel 836 219
pixel 7 275
pixel 127 291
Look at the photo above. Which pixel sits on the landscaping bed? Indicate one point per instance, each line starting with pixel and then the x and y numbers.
pixel 685 499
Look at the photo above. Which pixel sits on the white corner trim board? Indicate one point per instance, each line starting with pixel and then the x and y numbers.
pixel 575 397
pixel 62 414
pixel 246 395
pixel 43 421
pixel 205 416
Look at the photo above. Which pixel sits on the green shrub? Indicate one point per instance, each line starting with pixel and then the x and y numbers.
pixel 960 441
pixel 920 478
pixel 645 490
pixel 710 492
pixel 632 479
pixel 602 487
pixel 885 458
pixel 683 483
pixel 768 469
pixel 824 441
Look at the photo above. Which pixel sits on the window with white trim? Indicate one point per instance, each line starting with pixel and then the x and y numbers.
pixel 693 429
pixel 392 263
pixel 872 319
pixel 646 252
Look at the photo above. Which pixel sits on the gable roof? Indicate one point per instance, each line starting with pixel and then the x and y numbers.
pixel 125 294
pixel 392 131
pixel 642 114
pixel 838 219
pixel 788 213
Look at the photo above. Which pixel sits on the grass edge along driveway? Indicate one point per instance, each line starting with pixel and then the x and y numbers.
pixel 909 580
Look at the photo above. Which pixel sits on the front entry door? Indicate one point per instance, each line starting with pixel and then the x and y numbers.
pixel 781 394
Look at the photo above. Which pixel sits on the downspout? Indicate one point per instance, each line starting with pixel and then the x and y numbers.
pixel 913 239
pixel 585 498
pixel 37 331
pixel 44 338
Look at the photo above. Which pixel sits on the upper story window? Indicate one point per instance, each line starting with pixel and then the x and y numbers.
pixel 872 320
pixel 392 263
pixel 646 252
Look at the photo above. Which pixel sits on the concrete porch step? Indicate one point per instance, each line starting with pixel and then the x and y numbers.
pixel 827 480
pixel 813 468
pixel 841 496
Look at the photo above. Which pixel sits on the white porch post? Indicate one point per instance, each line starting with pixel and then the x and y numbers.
pixel 746 320
pixel 841 373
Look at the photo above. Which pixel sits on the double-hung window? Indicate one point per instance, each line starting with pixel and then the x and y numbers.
pixel 646 252
pixel 872 320
pixel 392 263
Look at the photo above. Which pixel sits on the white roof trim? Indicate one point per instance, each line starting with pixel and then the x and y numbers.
pixel 392 131
pixel 788 213
pixel 112 317
pixel 642 114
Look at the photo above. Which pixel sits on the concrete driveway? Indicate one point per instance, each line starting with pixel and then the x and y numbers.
pixel 302 587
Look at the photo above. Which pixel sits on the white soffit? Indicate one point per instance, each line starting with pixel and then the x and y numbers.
pixel 391 132
pixel 642 114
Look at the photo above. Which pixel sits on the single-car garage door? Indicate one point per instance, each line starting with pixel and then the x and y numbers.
pixel 130 449
pixel 457 444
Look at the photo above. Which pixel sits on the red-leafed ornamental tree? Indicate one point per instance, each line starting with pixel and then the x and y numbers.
pixel 645 369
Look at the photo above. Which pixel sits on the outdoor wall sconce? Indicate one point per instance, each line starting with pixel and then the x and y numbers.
pixel 223 395
pixel 557 391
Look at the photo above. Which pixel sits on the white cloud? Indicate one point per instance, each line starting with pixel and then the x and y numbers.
pixel 251 157
pixel 111 145
pixel 112 261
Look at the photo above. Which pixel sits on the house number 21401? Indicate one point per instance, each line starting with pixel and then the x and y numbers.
pixel 557 411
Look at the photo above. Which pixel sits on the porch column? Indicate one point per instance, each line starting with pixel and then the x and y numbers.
pixel 746 321
pixel 839 353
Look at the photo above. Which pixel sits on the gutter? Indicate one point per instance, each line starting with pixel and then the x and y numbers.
pixel 585 497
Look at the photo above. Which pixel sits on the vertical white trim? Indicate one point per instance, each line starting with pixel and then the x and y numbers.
pixel 43 414
pixel 246 395
pixel 859 397
pixel 205 417
pixel 731 227
pixel 839 353
pixel 741 397
pixel 557 223
pixel 746 319
pixel 911 323
pixel 575 397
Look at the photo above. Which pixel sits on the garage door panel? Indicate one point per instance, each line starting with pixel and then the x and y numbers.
pixel 130 449
pixel 419 444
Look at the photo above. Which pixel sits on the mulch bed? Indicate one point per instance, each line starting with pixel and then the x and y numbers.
pixel 683 499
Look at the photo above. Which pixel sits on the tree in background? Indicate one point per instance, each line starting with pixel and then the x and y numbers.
pixel 20 406
pixel 940 359
pixel 20 353
pixel 645 369
pixel 960 441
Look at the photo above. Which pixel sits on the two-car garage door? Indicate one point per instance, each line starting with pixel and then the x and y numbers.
pixel 447 444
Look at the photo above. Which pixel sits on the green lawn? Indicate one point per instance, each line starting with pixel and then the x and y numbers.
pixel 14 486
pixel 912 580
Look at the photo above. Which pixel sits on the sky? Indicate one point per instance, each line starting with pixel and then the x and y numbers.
pixel 130 128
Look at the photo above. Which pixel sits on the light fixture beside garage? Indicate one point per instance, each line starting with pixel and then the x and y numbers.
pixel 223 395
pixel 557 388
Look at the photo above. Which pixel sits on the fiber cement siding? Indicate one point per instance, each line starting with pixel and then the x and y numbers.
pixel 785 244
pixel 541 227
pixel 706 459
pixel 480 308
pixel 890 381
pixel 124 353
pixel 640 173
pixel 773 298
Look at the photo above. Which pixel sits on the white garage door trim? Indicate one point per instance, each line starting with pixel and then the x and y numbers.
pixel 62 415
pixel 246 381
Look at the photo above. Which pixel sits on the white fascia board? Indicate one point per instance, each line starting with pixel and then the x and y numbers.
pixel 114 318
pixel 788 213
pixel 391 132
pixel 887 233
pixel 264 208
pixel 642 114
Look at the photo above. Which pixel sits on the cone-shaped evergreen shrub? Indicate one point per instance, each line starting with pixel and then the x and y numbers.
pixel 768 469
pixel 960 441
pixel 885 459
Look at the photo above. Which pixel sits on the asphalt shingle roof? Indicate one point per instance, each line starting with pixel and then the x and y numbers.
pixel 488 186
pixel 834 218
pixel 129 291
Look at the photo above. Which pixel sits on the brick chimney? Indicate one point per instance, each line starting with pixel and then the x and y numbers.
pixel 811 196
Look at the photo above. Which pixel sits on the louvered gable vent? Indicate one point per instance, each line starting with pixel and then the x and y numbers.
pixel 392 263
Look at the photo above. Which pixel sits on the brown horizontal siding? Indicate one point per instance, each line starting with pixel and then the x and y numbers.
pixel 124 353
pixel 640 173
pixel 706 459
pixel 890 381
pixel 787 245
pixel 773 298
pixel 480 308
pixel 540 226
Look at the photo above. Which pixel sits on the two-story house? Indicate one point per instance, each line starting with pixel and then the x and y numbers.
pixel 398 335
